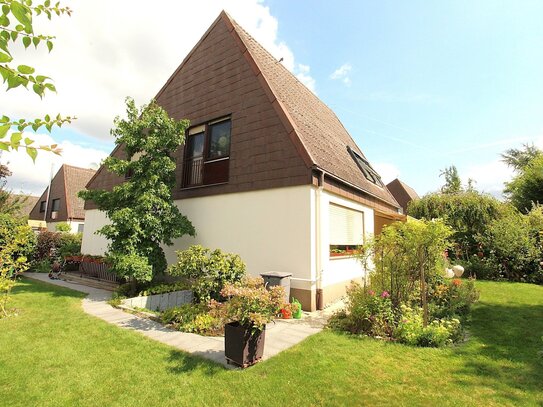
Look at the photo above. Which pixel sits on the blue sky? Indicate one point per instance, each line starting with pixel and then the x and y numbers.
pixel 432 83
pixel 419 85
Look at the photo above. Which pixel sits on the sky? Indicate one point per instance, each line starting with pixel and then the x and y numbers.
pixel 419 85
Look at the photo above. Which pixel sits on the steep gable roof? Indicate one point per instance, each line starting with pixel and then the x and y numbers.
pixel 319 139
pixel 324 142
pixel 76 179
pixel 65 185
pixel 27 202
pixel 402 192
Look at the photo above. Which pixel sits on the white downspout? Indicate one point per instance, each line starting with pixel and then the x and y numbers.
pixel 48 195
pixel 318 240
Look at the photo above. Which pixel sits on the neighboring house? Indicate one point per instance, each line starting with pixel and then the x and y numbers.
pixel 267 170
pixel 63 204
pixel 402 192
pixel 28 203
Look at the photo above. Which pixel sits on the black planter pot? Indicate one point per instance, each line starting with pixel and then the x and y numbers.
pixel 242 347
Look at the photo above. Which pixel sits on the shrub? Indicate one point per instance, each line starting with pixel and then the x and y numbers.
pixel 141 289
pixel 209 271
pixel 512 243
pixel 367 313
pixel 202 319
pixel 163 288
pixel 482 268
pixel 468 213
pixel 407 256
pixel 411 330
pixel 42 266
pixel 63 227
pixel 48 243
pixel 251 304
pixel 69 244
pixel 17 243
pixel 453 298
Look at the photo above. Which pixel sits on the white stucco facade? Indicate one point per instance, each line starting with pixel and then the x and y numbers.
pixel 282 229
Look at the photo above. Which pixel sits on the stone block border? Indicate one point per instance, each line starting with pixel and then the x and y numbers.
pixel 160 302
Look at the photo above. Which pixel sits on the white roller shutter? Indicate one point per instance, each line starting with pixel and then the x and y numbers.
pixel 346 226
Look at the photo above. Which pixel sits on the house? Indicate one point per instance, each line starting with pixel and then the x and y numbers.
pixel 63 204
pixel 402 192
pixel 27 204
pixel 267 169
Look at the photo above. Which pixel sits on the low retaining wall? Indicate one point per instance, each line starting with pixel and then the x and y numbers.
pixel 160 302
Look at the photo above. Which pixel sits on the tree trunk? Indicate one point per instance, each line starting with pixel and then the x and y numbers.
pixel 423 296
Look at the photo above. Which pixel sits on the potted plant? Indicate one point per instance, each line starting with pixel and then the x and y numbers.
pixel 250 306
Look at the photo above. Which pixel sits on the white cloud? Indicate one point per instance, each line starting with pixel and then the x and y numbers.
pixel 387 171
pixel 489 177
pixel 109 50
pixel 33 178
pixel 302 73
pixel 342 74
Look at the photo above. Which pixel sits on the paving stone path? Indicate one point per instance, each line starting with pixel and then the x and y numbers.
pixel 280 335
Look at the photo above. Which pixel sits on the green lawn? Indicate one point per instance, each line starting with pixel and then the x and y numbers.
pixel 55 354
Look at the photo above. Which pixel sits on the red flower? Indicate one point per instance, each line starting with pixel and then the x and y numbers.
pixel 456 282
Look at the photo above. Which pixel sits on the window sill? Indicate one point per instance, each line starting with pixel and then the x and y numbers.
pixel 202 186
pixel 342 256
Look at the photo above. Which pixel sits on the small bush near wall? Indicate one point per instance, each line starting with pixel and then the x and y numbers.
pixel 208 270
pixel 63 227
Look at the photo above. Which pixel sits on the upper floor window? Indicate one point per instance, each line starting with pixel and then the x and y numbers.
pixel 207 153
pixel 369 173
pixel 43 204
pixel 55 206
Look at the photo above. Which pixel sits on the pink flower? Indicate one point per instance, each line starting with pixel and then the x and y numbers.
pixel 385 294
pixel 371 292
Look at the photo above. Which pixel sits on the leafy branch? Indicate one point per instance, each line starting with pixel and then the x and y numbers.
pixel 16 138
pixel 21 29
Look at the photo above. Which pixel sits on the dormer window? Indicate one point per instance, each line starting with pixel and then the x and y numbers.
pixel 207 154
pixel 369 173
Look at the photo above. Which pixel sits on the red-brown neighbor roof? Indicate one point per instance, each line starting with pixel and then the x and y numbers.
pixel 76 179
pixel 65 185
pixel 402 192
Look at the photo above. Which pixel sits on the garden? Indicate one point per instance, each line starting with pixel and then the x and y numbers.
pixel 54 354
pixel 407 297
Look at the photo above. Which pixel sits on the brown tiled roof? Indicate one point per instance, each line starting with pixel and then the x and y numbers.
pixel 28 202
pixel 76 179
pixel 322 140
pixel 402 192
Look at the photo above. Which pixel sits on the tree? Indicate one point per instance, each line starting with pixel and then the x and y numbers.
pixel 526 187
pixel 513 244
pixel 519 158
pixel 9 203
pixel 141 210
pixel 16 25
pixel 453 184
pixel 467 213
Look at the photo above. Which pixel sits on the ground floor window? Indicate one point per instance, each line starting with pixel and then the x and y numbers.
pixel 346 230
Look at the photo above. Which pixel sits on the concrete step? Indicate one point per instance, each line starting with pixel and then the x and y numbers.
pixel 76 278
